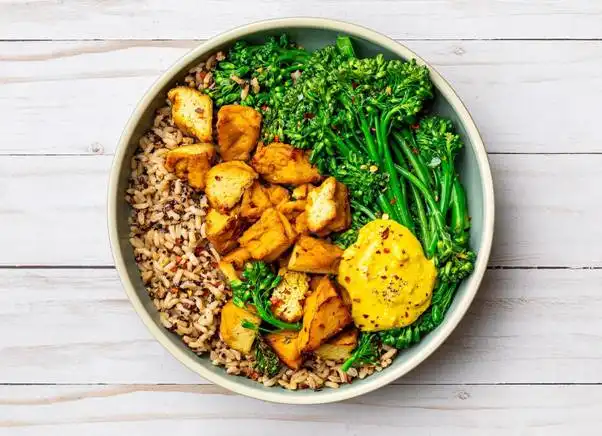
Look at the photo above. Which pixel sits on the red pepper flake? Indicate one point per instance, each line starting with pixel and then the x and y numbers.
pixel 218 178
pixel 265 107
pixel 393 201
pixel 385 233
pixel 354 85
pixel 200 110
pixel 347 279
pixel 387 251
pixel 174 290
pixel 276 138
pixel 415 150
pixel 197 251
pixel 308 116
pixel 415 126
pixel 174 269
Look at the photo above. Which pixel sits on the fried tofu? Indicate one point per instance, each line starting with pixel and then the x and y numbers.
pixel 192 112
pixel 226 183
pixel 285 345
pixel 285 165
pixel 301 191
pixel 300 224
pixel 258 198
pixel 277 194
pixel 288 296
pixel 291 209
pixel 238 258
pixel 231 330
pixel 321 208
pixel 312 255
pixel 237 131
pixel 191 162
pixel 228 271
pixel 255 201
pixel 342 219
pixel 269 237
pixel 340 347
pixel 324 315
pixel 223 230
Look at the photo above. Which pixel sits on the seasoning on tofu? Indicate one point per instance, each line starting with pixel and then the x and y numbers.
pixel 237 131
pixel 283 164
pixel 227 182
pixel 192 112
pixel 191 162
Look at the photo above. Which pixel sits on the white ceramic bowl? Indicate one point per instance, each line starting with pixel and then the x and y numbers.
pixel 311 33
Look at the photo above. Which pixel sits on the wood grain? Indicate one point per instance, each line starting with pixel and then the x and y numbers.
pixel 526 96
pixel 76 326
pixel 53 210
pixel 419 410
pixel 407 19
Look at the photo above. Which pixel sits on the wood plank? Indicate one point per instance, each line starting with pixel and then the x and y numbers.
pixel 76 326
pixel 421 410
pixel 82 93
pixel 53 210
pixel 400 19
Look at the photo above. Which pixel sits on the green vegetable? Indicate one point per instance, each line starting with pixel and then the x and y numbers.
pixel 257 287
pixel 364 122
pixel 365 353
pixel 266 361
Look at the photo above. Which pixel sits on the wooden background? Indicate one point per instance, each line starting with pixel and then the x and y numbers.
pixel 75 359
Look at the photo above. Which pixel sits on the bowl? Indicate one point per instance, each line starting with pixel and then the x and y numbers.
pixel 312 33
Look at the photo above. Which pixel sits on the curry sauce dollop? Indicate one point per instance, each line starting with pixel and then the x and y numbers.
pixel 387 276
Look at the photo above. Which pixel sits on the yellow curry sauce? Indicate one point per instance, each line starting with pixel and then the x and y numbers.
pixel 389 280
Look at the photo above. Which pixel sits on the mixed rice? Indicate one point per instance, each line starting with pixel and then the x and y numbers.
pixel 179 266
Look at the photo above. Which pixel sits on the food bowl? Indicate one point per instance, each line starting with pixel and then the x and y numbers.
pixel 311 33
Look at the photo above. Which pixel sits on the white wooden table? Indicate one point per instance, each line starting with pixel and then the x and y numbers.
pixel 75 359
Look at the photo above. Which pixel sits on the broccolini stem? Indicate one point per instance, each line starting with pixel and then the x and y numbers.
pixel 405 140
pixel 397 196
pixel 460 221
pixel 372 149
pixel 430 201
pixel 446 185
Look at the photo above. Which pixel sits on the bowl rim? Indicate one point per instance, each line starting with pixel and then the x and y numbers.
pixel 436 338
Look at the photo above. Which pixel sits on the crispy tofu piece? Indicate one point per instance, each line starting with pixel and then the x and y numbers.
pixel 292 209
pixel 255 201
pixel 316 256
pixel 342 219
pixel 231 330
pixel 192 112
pixel 283 164
pixel 284 344
pixel 258 198
pixel 237 131
pixel 191 162
pixel 300 224
pixel 223 230
pixel 324 315
pixel 321 208
pixel 340 347
pixel 238 258
pixel 277 194
pixel 226 183
pixel 288 296
pixel 269 237
pixel 228 270
pixel 301 191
